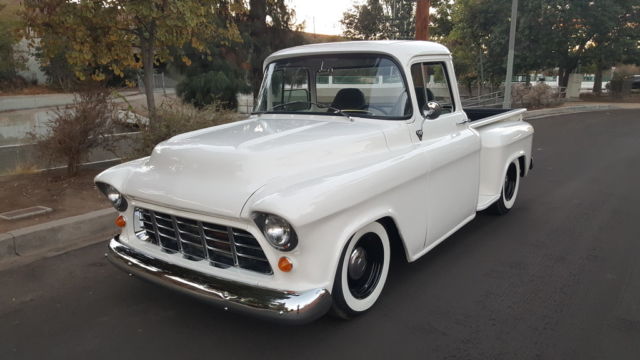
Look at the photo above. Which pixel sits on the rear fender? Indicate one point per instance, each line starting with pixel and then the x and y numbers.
pixel 502 143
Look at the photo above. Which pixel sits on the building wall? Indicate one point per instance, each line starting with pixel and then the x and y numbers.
pixel 32 71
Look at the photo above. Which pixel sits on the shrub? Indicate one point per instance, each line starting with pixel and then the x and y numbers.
pixel 620 83
pixel 213 87
pixel 11 59
pixel 537 96
pixel 175 117
pixel 78 128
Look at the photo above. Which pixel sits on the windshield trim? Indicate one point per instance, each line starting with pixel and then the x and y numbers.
pixel 346 54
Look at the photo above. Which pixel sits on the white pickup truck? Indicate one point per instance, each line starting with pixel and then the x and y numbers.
pixel 352 146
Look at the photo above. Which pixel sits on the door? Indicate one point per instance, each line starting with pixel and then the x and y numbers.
pixel 452 153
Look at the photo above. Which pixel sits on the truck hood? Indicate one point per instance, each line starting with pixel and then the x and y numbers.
pixel 215 170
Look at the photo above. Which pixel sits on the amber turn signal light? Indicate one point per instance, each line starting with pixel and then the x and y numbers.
pixel 284 264
pixel 120 221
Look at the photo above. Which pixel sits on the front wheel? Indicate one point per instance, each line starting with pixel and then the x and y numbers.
pixel 509 189
pixel 362 271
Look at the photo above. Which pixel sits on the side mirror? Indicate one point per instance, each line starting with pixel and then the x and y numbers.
pixel 431 110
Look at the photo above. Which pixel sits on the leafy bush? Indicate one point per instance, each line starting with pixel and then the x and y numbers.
pixel 78 128
pixel 620 83
pixel 175 117
pixel 533 97
pixel 59 73
pixel 11 59
pixel 213 87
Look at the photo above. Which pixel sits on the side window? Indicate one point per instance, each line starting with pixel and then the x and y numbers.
pixel 431 82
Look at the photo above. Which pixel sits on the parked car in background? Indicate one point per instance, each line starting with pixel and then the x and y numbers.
pixel 352 146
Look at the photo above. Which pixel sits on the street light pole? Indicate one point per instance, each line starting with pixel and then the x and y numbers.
pixel 512 41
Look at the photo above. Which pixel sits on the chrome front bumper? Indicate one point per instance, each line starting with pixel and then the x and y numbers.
pixel 283 306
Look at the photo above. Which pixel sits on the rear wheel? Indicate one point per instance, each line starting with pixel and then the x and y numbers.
pixel 362 272
pixel 509 191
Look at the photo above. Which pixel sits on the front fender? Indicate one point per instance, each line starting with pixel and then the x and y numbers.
pixel 327 210
pixel 117 176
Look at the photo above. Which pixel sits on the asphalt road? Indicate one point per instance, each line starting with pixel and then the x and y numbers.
pixel 557 278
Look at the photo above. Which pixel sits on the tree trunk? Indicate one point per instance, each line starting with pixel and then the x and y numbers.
pixel 597 81
pixel 72 166
pixel 257 18
pixel 147 63
pixel 422 19
pixel 563 77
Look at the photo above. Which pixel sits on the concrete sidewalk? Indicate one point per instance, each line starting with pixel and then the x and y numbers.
pixel 25 102
pixel 578 107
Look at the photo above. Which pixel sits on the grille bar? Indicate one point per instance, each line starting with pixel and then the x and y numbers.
pixel 222 246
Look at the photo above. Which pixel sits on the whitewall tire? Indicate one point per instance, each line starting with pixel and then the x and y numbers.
pixel 362 271
pixel 509 192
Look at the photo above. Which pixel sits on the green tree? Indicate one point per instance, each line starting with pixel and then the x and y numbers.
pixel 616 37
pixel 550 34
pixel 381 19
pixel 366 22
pixel 213 79
pixel 271 27
pixel 122 34
pixel 218 74
pixel 11 61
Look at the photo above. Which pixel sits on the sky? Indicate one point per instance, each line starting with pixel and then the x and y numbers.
pixel 327 14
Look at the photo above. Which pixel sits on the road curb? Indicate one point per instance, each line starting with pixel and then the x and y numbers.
pixel 57 236
pixel 7 246
pixel 534 114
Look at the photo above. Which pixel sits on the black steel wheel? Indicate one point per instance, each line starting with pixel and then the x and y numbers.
pixel 362 271
pixel 509 192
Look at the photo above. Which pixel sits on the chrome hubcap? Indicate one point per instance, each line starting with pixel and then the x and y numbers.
pixel 357 263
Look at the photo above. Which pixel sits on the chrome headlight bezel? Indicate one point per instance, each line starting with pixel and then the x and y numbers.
pixel 115 197
pixel 278 232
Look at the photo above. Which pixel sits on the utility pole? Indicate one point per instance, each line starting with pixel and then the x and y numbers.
pixel 422 19
pixel 512 41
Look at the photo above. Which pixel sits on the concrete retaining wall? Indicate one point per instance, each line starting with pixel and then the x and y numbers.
pixel 13 157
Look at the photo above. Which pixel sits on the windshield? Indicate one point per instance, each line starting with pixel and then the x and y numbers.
pixel 358 85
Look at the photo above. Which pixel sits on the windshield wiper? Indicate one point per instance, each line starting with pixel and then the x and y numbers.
pixel 335 110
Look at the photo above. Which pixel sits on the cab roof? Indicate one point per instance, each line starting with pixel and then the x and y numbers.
pixel 402 50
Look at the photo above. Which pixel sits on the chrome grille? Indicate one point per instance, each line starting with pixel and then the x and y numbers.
pixel 223 246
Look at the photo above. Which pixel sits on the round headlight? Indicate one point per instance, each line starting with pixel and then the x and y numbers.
pixel 116 198
pixel 278 232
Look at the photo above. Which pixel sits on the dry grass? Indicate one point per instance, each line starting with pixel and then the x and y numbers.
pixel 23 169
pixel 29 90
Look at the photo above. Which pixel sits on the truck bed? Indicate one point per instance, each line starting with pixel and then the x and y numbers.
pixel 481 117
